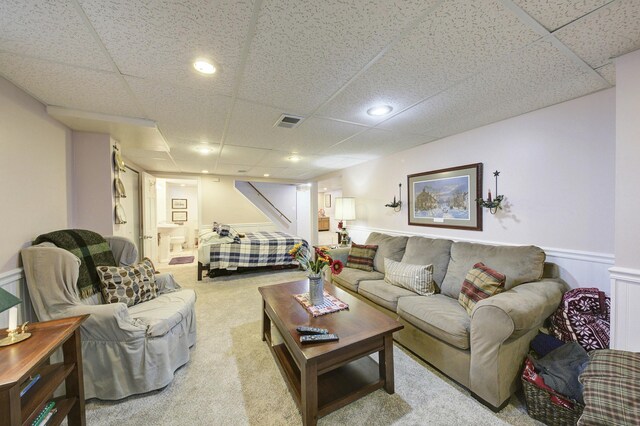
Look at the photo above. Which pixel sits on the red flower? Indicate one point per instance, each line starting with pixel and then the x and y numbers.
pixel 336 267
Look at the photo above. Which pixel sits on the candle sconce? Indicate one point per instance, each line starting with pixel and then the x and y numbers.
pixel 493 204
pixel 396 205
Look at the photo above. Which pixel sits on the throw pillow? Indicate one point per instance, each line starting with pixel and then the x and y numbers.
pixel 224 230
pixel 128 284
pixel 480 283
pixel 361 256
pixel 417 278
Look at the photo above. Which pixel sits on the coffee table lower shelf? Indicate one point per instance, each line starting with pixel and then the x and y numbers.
pixel 337 387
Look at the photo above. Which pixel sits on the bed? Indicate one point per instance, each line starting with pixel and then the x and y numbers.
pixel 248 250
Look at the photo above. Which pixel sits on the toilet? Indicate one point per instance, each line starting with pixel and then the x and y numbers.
pixel 176 243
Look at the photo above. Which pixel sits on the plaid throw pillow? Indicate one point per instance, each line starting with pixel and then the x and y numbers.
pixel 417 278
pixel 480 283
pixel 128 284
pixel 361 256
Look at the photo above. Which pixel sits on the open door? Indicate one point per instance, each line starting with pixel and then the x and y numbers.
pixel 149 221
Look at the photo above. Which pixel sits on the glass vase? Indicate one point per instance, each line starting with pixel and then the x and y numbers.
pixel 316 289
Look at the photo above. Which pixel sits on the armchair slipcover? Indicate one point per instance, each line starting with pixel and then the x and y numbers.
pixel 125 351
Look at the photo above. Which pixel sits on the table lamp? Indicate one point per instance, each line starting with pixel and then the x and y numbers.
pixel 345 210
pixel 9 301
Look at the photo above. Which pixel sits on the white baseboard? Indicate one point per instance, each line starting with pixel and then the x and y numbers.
pixel 625 317
pixel 13 281
pixel 577 268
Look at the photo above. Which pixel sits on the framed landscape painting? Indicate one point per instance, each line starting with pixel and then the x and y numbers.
pixel 446 198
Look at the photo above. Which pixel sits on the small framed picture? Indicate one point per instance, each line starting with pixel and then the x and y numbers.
pixel 327 200
pixel 178 216
pixel 178 203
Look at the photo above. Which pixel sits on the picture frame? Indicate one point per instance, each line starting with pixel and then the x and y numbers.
pixel 446 198
pixel 327 200
pixel 178 203
pixel 179 216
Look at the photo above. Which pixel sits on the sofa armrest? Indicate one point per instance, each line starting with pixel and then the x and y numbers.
pixel 501 329
pixel 166 283
pixel 526 306
pixel 109 322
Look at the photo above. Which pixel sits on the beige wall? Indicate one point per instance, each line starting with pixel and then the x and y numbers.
pixel 222 202
pixel 35 153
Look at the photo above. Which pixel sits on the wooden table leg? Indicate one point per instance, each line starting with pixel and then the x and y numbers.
pixel 309 393
pixel 72 353
pixel 266 323
pixel 385 364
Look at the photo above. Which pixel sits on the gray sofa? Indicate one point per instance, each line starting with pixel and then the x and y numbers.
pixel 483 351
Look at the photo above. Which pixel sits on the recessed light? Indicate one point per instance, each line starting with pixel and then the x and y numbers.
pixel 380 110
pixel 204 150
pixel 205 171
pixel 266 175
pixel 183 185
pixel 293 158
pixel 324 189
pixel 205 67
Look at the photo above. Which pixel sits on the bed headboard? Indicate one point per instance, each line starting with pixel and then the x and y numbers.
pixel 245 227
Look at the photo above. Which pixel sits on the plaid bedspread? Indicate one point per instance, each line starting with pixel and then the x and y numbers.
pixel 255 249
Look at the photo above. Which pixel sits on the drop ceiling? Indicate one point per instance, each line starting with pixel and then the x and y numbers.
pixel 444 66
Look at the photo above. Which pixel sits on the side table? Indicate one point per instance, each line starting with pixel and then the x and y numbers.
pixel 30 357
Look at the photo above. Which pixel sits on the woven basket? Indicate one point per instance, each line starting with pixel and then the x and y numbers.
pixel 540 407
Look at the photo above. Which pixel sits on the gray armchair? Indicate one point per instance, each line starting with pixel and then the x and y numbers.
pixel 125 350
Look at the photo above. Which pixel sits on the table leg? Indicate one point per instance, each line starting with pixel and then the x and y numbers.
pixel 385 364
pixel 309 393
pixel 266 323
pixel 72 353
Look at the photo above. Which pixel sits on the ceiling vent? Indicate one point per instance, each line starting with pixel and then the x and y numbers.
pixel 288 121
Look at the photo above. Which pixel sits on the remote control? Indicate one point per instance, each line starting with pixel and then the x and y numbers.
pixel 318 338
pixel 312 330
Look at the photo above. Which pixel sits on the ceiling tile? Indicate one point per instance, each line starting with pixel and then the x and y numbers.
pixel 304 51
pixel 182 112
pixel 608 71
pixel 52 30
pixel 377 143
pixel 187 151
pixel 73 88
pixel 161 41
pixel 242 155
pixel 536 77
pixel 457 40
pixel 605 34
pixel 553 14
pixel 252 125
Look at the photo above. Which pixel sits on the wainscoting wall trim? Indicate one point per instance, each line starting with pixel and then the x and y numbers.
pixel 625 317
pixel 13 281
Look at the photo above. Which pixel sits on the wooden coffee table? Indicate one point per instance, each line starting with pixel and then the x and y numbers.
pixel 326 376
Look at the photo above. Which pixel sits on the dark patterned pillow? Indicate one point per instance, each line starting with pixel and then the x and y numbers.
pixel 480 283
pixel 361 256
pixel 224 230
pixel 128 284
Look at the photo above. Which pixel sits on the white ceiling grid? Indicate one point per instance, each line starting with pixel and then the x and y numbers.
pixel 444 66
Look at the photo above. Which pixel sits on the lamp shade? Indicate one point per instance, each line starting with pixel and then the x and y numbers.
pixel 345 208
pixel 7 300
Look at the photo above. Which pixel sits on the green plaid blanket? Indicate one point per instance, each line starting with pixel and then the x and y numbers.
pixel 92 249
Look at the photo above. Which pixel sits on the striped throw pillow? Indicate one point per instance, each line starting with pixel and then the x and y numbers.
pixel 417 278
pixel 361 256
pixel 480 283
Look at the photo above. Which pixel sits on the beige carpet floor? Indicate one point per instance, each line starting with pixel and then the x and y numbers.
pixel 232 378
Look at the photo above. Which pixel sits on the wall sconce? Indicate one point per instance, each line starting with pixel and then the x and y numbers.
pixel 493 204
pixel 396 205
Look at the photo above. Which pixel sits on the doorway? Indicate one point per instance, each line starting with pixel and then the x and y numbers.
pixel 177 218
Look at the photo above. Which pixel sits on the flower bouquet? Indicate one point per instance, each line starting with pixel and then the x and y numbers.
pixel 315 267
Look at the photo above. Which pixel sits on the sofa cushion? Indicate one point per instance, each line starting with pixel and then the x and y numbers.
pixel 438 315
pixel 520 264
pixel 361 256
pixel 165 312
pixel 417 278
pixel 349 278
pixel 429 251
pixel 389 247
pixel 382 293
pixel 480 283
